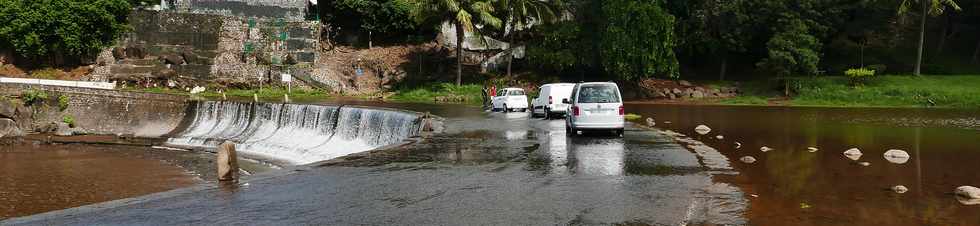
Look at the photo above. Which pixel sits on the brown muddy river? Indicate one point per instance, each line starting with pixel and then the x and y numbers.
pixel 40 178
pixel 791 185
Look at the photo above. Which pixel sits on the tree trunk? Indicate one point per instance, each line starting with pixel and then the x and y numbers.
pixel 976 52
pixel 922 37
pixel 460 34
pixel 724 67
pixel 510 54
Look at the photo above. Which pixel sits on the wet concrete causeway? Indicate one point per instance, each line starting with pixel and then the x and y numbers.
pixel 487 169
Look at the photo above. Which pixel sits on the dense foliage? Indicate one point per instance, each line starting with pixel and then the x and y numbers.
pixel 384 17
pixel 46 28
pixel 637 40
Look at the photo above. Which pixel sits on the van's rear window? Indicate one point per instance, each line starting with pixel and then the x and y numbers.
pixel 515 92
pixel 598 94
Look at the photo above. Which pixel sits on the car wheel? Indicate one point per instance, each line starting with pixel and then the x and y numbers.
pixel 547 113
pixel 505 110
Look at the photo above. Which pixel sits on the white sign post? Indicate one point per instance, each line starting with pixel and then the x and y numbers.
pixel 288 79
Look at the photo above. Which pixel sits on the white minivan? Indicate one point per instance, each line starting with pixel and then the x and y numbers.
pixel 595 106
pixel 509 99
pixel 548 103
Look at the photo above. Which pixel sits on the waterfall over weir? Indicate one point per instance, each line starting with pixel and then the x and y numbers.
pixel 295 133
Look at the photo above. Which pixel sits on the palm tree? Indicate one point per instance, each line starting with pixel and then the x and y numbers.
pixel 929 7
pixel 522 13
pixel 464 14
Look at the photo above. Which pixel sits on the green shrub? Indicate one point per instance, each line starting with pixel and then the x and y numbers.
pixel 68 120
pixel 34 96
pixel 63 102
pixel 632 117
pixel 859 76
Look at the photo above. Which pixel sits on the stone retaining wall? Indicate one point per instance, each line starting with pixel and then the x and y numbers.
pixel 98 111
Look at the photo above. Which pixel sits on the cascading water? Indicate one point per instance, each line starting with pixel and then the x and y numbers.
pixel 295 133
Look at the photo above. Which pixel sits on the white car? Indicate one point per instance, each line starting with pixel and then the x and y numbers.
pixel 510 99
pixel 595 106
pixel 548 103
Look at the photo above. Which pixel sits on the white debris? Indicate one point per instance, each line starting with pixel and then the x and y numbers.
pixel 197 89
pixel 864 163
pixel 765 149
pixel 897 156
pixel 738 145
pixel 666 122
pixel 812 149
pixel 968 192
pixel 754 195
pixel 720 137
pixel 651 122
pixel 853 154
pixel 702 129
pixel 747 159
pixel 900 189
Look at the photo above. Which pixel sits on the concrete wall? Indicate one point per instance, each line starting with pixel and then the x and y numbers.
pixel 99 111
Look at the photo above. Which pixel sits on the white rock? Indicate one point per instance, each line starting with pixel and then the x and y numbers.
pixel 747 159
pixel 651 122
pixel 197 89
pixel 720 137
pixel 738 145
pixel 864 163
pixel 900 189
pixel 968 202
pixel 765 149
pixel 897 156
pixel 754 196
pixel 666 122
pixel 853 154
pixel 812 149
pixel 702 129
pixel 968 192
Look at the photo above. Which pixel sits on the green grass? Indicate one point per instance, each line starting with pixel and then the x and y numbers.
pixel 632 117
pixel 959 91
pixel 472 94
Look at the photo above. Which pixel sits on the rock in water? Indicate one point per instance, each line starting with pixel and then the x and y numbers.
pixel 227 162
pixel 864 163
pixel 900 189
pixel 720 137
pixel 8 128
pixel 650 122
pixel 765 149
pixel 969 192
pixel 897 156
pixel 738 145
pixel 812 149
pixel 747 159
pixel 853 154
pixel 702 129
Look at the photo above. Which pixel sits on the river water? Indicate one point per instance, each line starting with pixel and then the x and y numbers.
pixel 791 185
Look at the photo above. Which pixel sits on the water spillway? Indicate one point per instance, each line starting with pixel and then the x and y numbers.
pixel 295 133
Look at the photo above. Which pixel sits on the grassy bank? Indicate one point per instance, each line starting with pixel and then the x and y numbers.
pixel 961 91
pixel 264 93
pixel 445 92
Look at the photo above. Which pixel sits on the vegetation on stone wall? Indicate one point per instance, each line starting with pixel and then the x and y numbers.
pixel 53 29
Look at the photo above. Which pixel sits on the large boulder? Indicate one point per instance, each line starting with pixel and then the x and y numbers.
pixel 174 59
pixel 969 192
pixel 8 109
pixel 9 128
pixel 227 162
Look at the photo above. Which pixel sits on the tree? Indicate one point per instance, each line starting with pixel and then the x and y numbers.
pixel 56 28
pixel 928 7
pixel 523 14
pixel 373 16
pixel 637 40
pixel 793 50
pixel 464 14
pixel 711 28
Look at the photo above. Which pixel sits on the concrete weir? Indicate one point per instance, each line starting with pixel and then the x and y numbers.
pixel 294 133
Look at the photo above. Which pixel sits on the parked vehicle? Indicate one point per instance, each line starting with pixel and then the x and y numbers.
pixel 595 106
pixel 548 103
pixel 510 99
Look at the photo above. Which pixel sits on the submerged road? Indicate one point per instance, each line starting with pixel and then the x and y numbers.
pixel 486 169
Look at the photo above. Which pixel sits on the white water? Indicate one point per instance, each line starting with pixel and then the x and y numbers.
pixel 295 133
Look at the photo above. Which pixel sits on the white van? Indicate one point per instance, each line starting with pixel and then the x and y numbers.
pixel 548 103
pixel 509 99
pixel 595 106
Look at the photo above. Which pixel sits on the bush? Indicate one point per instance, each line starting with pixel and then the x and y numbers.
pixel 859 76
pixel 33 96
pixel 63 102
pixel 68 120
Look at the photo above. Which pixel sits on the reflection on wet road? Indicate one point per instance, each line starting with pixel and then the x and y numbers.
pixel 487 169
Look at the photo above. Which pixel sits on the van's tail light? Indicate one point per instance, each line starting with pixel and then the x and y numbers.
pixel 622 111
pixel 549 100
pixel 575 110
